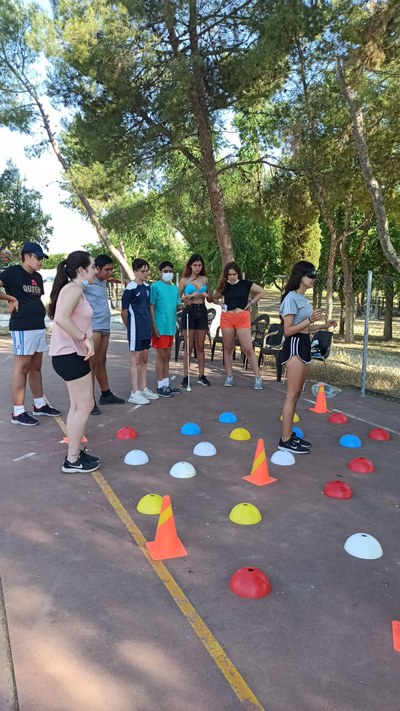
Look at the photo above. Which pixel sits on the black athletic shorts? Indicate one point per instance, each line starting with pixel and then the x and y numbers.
pixel 298 345
pixel 197 317
pixel 70 366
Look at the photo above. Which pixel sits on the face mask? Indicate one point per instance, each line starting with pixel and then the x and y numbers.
pixel 167 277
pixel 85 283
pixel 232 283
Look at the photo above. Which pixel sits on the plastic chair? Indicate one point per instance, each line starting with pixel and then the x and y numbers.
pixel 178 334
pixel 258 327
pixel 321 347
pixel 211 314
pixel 272 345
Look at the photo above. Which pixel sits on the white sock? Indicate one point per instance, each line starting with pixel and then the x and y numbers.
pixel 160 383
pixel 166 382
pixel 39 401
pixel 18 410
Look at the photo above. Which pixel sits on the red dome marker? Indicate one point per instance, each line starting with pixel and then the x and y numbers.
pixel 338 418
pixel 360 465
pixel 250 582
pixel 126 433
pixel 337 490
pixel 379 434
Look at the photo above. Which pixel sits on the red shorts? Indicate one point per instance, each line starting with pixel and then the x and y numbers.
pixel 236 320
pixel 162 342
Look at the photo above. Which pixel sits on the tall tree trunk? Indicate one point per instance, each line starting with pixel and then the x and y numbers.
pixel 348 292
pixel 389 300
pixel 366 168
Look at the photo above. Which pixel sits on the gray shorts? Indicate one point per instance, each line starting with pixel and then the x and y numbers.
pixel 104 332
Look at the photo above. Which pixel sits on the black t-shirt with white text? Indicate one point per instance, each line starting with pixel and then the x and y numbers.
pixel 27 289
pixel 236 296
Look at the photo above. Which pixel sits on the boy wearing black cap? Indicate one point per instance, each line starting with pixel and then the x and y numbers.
pixel 24 289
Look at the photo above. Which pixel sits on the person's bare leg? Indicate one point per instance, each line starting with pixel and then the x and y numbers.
pixel 101 360
pixel 191 343
pixel 134 370
pixel 35 375
pixel 296 372
pixel 142 369
pixel 81 402
pixel 228 335
pixel 167 358
pixel 19 377
pixel 159 363
pixel 244 336
pixel 199 339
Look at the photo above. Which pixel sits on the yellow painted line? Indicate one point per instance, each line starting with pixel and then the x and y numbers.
pixel 231 674
pixel 224 664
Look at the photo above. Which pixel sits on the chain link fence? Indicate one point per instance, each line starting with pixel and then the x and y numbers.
pixel 365 352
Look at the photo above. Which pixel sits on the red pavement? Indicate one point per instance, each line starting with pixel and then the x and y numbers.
pixel 92 625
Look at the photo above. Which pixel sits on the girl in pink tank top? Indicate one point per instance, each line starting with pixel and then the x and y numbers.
pixel 71 346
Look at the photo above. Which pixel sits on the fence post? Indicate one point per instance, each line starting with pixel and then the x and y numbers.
pixel 365 339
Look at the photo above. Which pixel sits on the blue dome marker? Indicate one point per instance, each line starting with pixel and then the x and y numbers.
pixel 190 428
pixel 351 441
pixel 228 418
pixel 298 431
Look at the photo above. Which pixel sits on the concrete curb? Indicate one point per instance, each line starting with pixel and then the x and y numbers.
pixel 8 688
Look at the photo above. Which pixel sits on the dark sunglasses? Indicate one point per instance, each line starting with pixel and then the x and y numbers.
pixel 312 274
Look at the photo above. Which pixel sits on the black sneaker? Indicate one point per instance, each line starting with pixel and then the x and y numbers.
pixel 203 381
pixel 172 390
pixel 46 410
pixel 300 440
pixel 185 382
pixel 292 446
pixel 164 392
pixel 96 410
pixel 111 399
pixel 24 419
pixel 89 457
pixel 81 465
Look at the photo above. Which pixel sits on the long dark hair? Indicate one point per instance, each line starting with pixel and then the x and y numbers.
pixel 188 268
pixel 224 276
pixel 66 270
pixel 299 270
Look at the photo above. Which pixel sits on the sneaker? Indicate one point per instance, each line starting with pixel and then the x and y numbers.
pixel 164 392
pixel 88 457
pixel 203 381
pixel 258 384
pixel 96 410
pixel 81 465
pixel 24 419
pixel 292 446
pixel 46 410
pixel 149 394
pixel 172 390
pixel 185 382
pixel 111 399
pixel 138 399
pixel 302 441
pixel 228 381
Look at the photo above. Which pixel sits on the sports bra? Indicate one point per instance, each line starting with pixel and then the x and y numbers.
pixel 190 289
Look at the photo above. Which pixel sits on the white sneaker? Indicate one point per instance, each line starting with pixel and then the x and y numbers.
pixel 258 384
pixel 147 393
pixel 228 381
pixel 138 399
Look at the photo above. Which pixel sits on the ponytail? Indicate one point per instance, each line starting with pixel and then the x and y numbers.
pixel 66 270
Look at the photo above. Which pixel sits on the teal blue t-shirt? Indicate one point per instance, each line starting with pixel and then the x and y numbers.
pixel 165 298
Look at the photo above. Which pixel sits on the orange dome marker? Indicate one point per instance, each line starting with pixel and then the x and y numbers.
pixel 320 403
pixel 166 543
pixel 259 474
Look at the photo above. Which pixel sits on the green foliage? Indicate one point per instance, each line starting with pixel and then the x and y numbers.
pixel 21 216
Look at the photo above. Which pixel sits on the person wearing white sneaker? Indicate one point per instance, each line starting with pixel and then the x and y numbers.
pixel 239 295
pixel 136 316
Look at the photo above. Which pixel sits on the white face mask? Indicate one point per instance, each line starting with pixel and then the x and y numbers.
pixel 232 283
pixel 167 277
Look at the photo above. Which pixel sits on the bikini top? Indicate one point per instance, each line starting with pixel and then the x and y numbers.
pixel 190 289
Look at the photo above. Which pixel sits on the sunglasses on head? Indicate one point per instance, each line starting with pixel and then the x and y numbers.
pixel 311 274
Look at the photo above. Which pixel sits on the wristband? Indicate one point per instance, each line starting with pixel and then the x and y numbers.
pixel 84 338
pixel 310 320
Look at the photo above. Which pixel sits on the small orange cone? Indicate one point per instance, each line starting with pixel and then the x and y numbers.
pixel 166 543
pixel 259 472
pixel 320 404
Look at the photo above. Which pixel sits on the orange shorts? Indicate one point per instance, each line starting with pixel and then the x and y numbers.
pixel 235 319
pixel 162 342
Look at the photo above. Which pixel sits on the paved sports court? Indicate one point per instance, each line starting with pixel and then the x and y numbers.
pixel 95 625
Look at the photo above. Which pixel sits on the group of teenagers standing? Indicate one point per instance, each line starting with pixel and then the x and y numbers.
pixel 81 330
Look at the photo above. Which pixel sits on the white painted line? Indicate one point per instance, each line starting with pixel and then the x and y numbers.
pixel 25 456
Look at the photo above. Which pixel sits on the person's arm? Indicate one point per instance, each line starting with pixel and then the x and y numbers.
pixel 258 292
pixel 156 333
pixel 12 301
pixel 186 298
pixel 215 298
pixel 291 330
pixel 330 323
pixel 124 316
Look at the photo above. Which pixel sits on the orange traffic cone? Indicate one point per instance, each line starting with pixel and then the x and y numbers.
pixel 166 543
pixel 320 403
pixel 259 472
